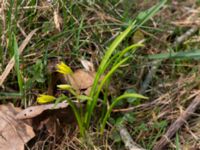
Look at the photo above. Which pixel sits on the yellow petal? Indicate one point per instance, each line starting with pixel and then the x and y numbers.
pixel 45 98
pixel 64 86
pixel 63 68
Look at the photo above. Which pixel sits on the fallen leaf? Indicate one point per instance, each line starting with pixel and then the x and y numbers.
pixel 14 134
pixel 87 92
pixel 87 65
pixel 82 79
pixel 138 36
pixel 54 122
pixel 34 111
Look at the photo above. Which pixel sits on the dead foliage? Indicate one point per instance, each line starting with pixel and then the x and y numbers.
pixel 14 133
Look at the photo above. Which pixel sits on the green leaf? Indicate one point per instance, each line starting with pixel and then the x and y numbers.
pixel 178 55
pixel 105 63
pixel 78 116
pixel 146 15
pixel 115 136
pixel 17 64
pixel 131 100
pixel 124 96
pixel 83 97
pixel 129 117
pixel 178 147
pixel 108 75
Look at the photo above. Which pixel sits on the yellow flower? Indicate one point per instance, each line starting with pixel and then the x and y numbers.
pixel 64 86
pixel 42 99
pixel 63 68
pixel 67 87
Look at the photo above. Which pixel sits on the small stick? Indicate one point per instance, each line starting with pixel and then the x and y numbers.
pixel 154 66
pixel 128 141
pixel 177 124
pixel 187 34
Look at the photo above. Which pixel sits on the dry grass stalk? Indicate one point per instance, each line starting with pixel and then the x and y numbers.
pixel 11 63
pixel 177 124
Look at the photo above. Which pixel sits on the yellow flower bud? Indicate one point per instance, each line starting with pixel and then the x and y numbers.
pixel 42 99
pixel 63 68
pixel 64 86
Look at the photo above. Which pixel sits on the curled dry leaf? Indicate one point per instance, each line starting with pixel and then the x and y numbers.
pixel 57 20
pixel 34 111
pixel 81 79
pixel 138 36
pixel 87 92
pixel 87 65
pixel 14 133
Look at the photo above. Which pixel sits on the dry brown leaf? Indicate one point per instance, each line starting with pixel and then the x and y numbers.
pixel 11 63
pixel 13 133
pixel 34 111
pixel 69 79
pixel 87 65
pixel 82 79
pixel 87 92
pixel 54 122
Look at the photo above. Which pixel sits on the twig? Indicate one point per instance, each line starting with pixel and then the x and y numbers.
pixel 154 66
pixel 177 124
pixel 129 143
pixel 11 63
pixel 187 34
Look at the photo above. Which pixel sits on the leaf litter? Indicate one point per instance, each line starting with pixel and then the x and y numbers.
pixel 14 133
pixel 34 111
pixel 50 116
pixel 81 79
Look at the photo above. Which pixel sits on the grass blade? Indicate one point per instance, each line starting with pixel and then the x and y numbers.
pixel 78 117
pixel 102 68
pixel 94 101
pixel 12 61
pixel 146 15
pixel 126 95
pixel 183 55
pixel 17 65
pixel 108 54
